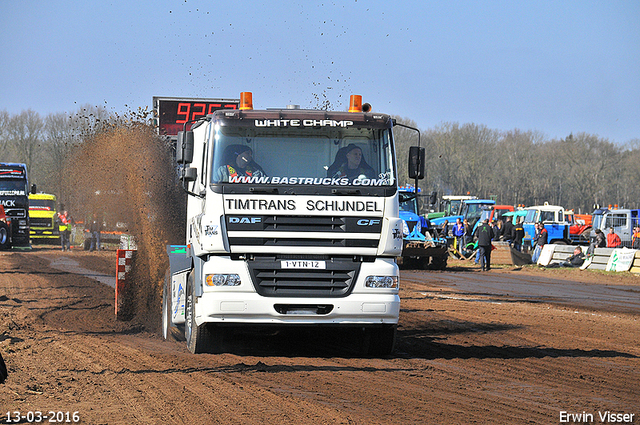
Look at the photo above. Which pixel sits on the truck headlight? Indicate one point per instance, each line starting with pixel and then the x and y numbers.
pixel 390 282
pixel 222 280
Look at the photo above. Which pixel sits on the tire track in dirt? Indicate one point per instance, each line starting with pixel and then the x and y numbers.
pixel 510 355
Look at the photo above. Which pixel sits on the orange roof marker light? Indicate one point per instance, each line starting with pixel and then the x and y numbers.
pixel 246 101
pixel 356 105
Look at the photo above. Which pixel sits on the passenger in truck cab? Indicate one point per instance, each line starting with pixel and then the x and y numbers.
pixel 351 164
pixel 238 161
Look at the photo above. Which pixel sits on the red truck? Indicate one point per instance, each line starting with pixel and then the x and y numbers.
pixel 579 227
pixel 5 230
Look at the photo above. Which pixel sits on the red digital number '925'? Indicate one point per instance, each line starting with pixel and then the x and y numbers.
pixel 191 111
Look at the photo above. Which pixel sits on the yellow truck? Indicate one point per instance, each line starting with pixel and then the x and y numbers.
pixel 42 215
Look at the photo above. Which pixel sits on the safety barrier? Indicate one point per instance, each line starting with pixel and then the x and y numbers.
pixel 501 254
pixel 608 259
pixel 125 258
pixel 635 266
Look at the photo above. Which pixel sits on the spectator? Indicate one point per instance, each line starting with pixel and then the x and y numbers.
pixel 94 230
pixel 541 240
pixel 576 260
pixel 484 233
pixel 599 241
pixel 444 229
pixel 458 234
pixel 65 221
pixel 496 230
pixel 518 234
pixel 635 240
pixel 507 231
pixel 613 240
pixel 468 232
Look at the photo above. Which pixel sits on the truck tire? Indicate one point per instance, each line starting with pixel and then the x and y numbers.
pixel 439 263
pixel 200 339
pixel 5 240
pixel 382 340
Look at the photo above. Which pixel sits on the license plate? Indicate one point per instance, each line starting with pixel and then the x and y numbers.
pixel 302 264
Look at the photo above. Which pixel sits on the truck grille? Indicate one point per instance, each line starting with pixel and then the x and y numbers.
pixel 254 231
pixel 41 222
pixel 16 212
pixel 336 280
pixel 334 243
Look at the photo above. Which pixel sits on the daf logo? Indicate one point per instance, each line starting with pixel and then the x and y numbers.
pixel 245 220
pixel 367 222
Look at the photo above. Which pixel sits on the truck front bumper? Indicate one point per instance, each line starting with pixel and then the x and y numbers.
pixel 356 309
pixel 362 305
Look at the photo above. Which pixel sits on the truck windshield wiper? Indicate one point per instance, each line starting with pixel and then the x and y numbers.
pixel 345 191
pixel 272 190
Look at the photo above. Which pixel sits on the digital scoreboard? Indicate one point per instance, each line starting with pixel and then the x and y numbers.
pixel 173 112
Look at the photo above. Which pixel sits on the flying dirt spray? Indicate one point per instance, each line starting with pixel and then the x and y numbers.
pixel 125 173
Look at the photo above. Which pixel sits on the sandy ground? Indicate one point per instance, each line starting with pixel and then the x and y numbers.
pixel 463 356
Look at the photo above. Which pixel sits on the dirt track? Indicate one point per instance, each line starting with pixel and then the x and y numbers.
pixel 462 357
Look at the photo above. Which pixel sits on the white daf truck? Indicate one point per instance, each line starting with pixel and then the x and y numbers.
pixel 284 228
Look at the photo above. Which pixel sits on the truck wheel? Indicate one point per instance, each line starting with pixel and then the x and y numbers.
pixel 5 240
pixel 382 340
pixel 439 263
pixel 200 339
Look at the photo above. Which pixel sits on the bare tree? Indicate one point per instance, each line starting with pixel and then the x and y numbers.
pixel 59 141
pixel 25 132
pixel 516 152
pixel 4 131
pixel 404 139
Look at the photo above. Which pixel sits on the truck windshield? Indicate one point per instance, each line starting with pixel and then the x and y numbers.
pixel 42 204
pixel 531 216
pixel 13 187
pixel 597 219
pixel 472 212
pixel 309 156
pixel 408 202
pixel 453 207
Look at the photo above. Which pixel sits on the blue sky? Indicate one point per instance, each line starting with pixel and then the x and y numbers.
pixel 552 66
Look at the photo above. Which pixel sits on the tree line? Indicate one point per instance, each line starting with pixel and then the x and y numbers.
pixel 516 167
pixel 512 167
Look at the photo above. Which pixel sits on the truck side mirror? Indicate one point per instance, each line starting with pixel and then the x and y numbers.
pixel 189 174
pixel 416 162
pixel 33 189
pixel 184 147
pixel 433 199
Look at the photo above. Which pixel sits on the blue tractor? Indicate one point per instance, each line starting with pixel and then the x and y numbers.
pixel 471 210
pixel 421 247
